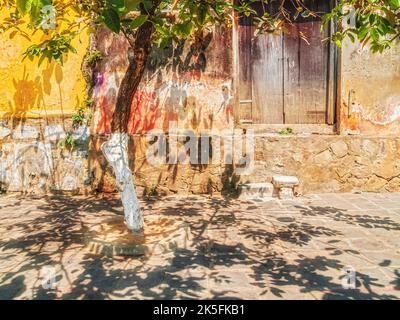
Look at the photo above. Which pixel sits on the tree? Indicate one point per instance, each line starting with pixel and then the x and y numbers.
pixel 373 22
pixel 161 23
pixel 144 23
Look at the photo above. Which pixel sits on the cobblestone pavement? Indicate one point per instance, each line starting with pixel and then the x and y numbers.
pixel 241 250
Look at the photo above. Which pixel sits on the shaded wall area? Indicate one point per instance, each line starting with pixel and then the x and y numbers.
pixel 32 160
pixel 190 84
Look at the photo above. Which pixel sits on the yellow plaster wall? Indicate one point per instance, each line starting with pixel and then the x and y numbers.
pixel 30 91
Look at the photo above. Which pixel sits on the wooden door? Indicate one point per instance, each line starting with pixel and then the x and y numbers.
pixel 284 77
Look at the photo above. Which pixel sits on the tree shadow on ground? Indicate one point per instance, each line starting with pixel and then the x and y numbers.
pixel 236 252
pixel 362 220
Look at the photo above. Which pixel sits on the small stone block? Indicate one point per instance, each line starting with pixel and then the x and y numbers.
pixel 54 133
pixel 25 132
pixel 285 181
pixel 286 193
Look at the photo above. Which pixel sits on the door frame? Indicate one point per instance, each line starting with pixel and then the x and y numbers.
pixel 333 91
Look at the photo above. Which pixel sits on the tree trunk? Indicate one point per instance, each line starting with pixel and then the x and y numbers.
pixel 116 148
pixel 116 152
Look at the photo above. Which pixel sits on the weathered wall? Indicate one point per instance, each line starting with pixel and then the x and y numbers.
pixel 193 87
pixel 330 163
pixel 36 104
pixel 323 163
pixel 162 178
pixel 31 161
pixel 190 85
pixel 368 162
pixel 370 91
pixel 29 91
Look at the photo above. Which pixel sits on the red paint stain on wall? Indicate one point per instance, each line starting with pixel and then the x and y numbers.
pixel 145 112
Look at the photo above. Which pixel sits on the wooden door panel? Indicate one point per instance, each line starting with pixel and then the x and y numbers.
pixel 245 32
pixel 267 73
pixel 305 76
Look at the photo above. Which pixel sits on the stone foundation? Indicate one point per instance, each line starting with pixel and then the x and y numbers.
pixel 323 163
pixel 33 162
pixel 161 179
pixel 330 163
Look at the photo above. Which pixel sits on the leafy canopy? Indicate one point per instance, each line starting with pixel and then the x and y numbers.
pixel 370 21
pixel 171 19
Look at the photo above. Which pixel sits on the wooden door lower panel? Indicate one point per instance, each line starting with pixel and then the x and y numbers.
pixel 305 74
pixel 245 33
pixel 267 79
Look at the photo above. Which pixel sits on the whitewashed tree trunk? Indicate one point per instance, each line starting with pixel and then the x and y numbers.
pixel 116 152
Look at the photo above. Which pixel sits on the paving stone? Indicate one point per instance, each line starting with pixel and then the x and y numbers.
pixel 390 258
pixel 387 204
pixel 364 204
pixel 241 249
pixel 255 190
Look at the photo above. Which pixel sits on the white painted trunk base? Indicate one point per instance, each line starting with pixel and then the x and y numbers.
pixel 116 152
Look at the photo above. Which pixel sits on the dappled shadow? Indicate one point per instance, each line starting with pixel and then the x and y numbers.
pixel 362 220
pixel 238 250
pixel 41 235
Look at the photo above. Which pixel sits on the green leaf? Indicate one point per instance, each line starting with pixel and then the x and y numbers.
pixel 24 6
pixel 394 4
pixel 164 42
pixel 202 13
pixel 185 28
pixel 362 33
pixel 147 4
pixel 138 21
pixel 119 5
pixel 374 35
pixel 112 20
pixel 132 5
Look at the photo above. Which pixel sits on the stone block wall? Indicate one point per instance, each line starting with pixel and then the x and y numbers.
pixel 330 163
pixel 323 163
pixel 32 160
pixel 162 179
